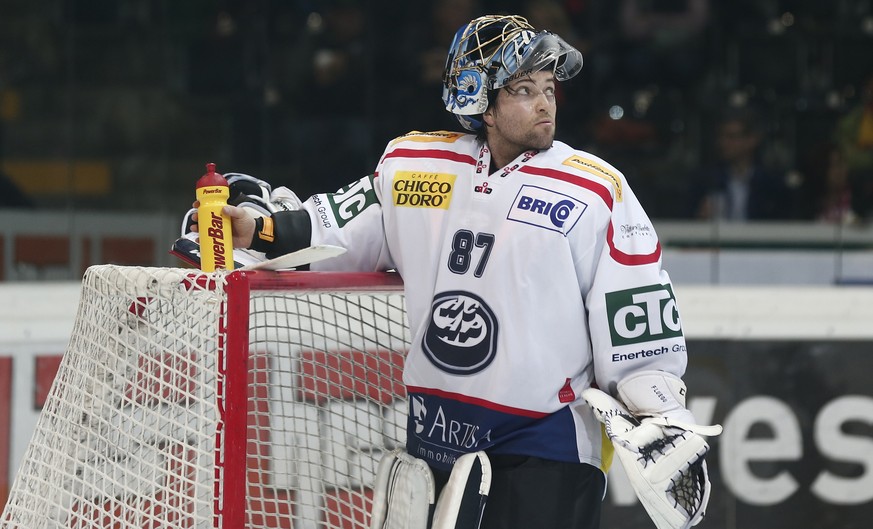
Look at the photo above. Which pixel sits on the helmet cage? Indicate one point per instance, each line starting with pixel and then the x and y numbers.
pixel 492 51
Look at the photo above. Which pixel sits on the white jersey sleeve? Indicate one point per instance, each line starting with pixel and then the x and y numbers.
pixel 630 302
pixel 352 219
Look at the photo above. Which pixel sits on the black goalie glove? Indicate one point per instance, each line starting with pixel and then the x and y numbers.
pixel 662 454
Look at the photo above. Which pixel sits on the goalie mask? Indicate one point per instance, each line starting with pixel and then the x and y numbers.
pixel 493 50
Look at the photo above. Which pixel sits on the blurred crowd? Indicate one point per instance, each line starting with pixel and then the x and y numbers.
pixel 740 110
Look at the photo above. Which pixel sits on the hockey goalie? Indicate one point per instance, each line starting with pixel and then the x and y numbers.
pixel 659 445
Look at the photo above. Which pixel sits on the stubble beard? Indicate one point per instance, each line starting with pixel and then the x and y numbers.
pixel 540 140
pixel 529 141
pixel 534 138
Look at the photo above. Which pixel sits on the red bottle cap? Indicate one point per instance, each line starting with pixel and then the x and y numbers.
pixel 211 178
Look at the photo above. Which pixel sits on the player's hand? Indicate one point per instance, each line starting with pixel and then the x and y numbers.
pixel 191 218
pixel 243 225
pixel 241 221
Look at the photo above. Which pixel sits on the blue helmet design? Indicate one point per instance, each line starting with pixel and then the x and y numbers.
pixel 493 50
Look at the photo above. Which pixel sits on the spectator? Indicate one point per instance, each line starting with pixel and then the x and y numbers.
pixel 739 186
pixel 854 137
pixel 829 190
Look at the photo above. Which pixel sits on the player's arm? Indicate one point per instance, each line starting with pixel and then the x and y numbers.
pixel 275 222
pixel 639 359
pixel 633 314
pixel 350 218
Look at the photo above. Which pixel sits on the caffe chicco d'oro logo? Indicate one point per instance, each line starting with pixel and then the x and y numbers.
pixel 414 189
pixel 461 337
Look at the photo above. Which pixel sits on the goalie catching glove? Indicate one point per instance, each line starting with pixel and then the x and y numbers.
pixel 659 445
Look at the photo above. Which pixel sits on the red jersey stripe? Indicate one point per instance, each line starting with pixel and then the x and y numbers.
pixel 627 258
pixel 477 402
pixel 601 190
pixel 431 153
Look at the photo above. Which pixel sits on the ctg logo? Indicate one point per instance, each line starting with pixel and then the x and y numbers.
pixel 642 314
pixel 461 337
pixel 547 209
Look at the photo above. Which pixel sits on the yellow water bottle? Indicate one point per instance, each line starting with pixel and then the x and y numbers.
pixel 216 241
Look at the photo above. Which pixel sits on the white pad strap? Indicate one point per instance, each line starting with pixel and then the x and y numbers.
pixel 462 501
pixel 403 493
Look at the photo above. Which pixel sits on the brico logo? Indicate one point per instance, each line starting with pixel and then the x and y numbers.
pixel 423 190
pixel 547 209
pixel 642 314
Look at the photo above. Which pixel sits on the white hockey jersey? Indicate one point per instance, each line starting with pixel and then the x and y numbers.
pixel 523 287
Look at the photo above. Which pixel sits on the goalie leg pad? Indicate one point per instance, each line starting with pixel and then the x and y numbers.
pixel 462 502
pixel 403 493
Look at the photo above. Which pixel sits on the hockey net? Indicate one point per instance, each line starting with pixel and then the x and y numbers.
pixel 243 399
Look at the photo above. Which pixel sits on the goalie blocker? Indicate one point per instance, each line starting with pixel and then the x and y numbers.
pixel 659 445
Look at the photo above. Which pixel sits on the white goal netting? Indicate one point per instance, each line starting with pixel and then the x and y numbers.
pixel 244 399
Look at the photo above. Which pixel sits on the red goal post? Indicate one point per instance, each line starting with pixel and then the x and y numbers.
pixel 249 399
